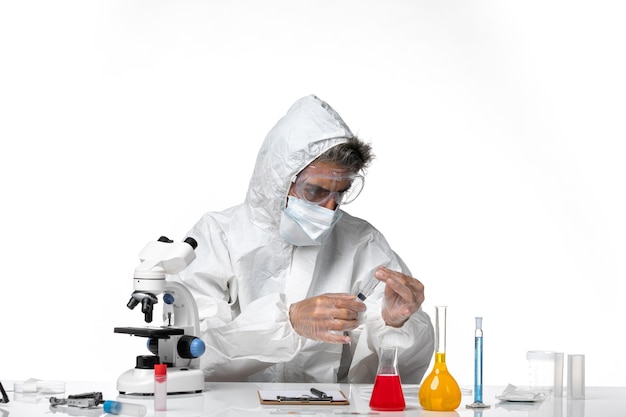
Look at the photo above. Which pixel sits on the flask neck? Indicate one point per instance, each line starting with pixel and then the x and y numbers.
pixel 440 330
pixel 440 363
pixel 388 362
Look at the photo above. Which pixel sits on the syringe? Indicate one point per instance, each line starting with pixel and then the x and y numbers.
pixel 368 289
pixel 346 356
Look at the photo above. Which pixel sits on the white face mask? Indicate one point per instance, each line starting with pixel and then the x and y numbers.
pixel 306 224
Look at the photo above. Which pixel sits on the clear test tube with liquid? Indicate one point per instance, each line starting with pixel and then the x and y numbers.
pixel 478 367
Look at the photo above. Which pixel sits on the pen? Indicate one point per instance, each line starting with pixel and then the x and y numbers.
pixel 318 393
pixel 303 399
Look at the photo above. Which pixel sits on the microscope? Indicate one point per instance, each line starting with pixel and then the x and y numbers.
pixel 175 343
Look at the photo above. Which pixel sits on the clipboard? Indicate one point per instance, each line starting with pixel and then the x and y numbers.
pixel 301 397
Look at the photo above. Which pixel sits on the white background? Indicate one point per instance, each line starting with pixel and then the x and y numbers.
pixel 498 128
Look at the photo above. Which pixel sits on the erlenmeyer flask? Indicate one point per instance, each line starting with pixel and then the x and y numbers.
pixel 387 393
pixel 439 390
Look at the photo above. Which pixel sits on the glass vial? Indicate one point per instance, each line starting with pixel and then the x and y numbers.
pixel 160 387
pixel 387 392
pixel 439 390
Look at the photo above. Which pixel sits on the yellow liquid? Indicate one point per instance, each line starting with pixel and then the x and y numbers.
pixel 439 390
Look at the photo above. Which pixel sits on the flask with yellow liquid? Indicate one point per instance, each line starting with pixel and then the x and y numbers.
pixel 439 390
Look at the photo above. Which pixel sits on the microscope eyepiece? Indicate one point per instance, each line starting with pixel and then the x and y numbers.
pixel 192 242
pixel 189 240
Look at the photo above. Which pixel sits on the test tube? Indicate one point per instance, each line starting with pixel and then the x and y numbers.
pixel 478 366
pixel 160 387
pixel 575 377
pixel 128 409
pixel 478 361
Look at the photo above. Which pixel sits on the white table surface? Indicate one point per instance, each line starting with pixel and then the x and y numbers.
pixel 240 399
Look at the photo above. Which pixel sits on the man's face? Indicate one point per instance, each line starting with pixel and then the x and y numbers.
pixel 323 184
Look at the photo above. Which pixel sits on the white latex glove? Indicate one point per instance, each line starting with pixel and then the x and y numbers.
pixel 325 317
pixel 403 296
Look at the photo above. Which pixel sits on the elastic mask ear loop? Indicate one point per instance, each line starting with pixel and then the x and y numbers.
pixel 293 180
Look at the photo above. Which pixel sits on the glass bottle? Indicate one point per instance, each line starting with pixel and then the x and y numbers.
pixel 387 393
pixel 439 390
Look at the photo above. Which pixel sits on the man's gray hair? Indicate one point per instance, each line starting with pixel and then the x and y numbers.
pixel 354 155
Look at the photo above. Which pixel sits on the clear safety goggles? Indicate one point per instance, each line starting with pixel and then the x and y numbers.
pixel 319 186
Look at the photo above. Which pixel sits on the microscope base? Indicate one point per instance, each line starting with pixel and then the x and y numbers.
pixel 179 381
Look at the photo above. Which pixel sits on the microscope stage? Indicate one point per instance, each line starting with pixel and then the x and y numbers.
pixel 153 332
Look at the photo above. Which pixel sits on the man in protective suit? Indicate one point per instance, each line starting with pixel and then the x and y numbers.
pixel 276 278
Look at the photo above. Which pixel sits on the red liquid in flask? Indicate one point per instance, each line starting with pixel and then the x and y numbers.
pixel 387 394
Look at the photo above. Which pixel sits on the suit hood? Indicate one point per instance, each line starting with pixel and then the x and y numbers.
pixel 308 129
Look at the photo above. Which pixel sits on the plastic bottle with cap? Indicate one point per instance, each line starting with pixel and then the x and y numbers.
pixel 127 409
pixel 160 387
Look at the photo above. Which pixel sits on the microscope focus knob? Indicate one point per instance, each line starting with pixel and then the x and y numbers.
pixel 190 347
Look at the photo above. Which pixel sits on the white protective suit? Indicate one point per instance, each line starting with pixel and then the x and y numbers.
pixel 245 275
